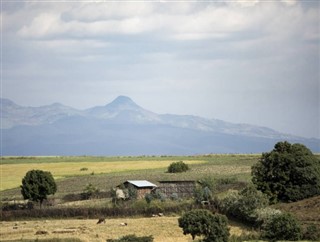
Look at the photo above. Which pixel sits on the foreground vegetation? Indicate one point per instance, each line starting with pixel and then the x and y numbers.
pixel 84 192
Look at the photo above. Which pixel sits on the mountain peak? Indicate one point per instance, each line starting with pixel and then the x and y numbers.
pixel 122 102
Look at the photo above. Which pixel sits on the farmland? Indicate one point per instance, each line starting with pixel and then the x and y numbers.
pixel 74 173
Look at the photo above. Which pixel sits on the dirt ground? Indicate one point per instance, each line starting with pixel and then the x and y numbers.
pixel 163 229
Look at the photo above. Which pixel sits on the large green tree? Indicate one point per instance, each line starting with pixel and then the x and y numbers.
pixel 290 172
pixel 201 222
pixel 37 185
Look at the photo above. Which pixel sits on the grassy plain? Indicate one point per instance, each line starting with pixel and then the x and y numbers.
pixel 106 172
pixel 71 168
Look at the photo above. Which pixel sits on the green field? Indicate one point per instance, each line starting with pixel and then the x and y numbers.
pixel 74 173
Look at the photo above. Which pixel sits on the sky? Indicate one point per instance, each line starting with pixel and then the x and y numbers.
pixel 254 62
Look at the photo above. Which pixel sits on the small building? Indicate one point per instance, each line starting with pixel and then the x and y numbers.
pixel 181 189
pixel 142 187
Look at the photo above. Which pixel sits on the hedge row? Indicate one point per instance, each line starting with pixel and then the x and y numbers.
pixel 89 213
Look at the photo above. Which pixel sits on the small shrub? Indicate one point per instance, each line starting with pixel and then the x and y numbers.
pixel 84 169
pixel 177 167
pixel 226 180
pixel 132 238
pixel 201 194
pixel 264 214
pixel 157 195
pixel 228 203
pixel 89 191
pixel 131 192
pixel 209 182
pixel 148 198
pixel 243 204
pixel 281 227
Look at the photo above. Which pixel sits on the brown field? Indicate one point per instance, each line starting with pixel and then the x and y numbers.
pixel 163 229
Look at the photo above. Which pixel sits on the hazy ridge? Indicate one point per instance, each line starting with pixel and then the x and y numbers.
pixel 124 128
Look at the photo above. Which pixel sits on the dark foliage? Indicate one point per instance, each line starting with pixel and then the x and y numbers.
pixel 177 167
pixel 242 205
pixel 93 213
pixel 155 195
pixel 202 194
pixel 281 227
pixel 132 238
pixel 288 173
pixel 311 233
pixel 37 185
pixel 89 192
pixel 201 222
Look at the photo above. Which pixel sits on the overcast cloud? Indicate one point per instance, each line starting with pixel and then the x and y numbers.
pixel 251 61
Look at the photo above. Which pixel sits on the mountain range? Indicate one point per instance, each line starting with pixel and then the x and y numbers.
pixel 124 128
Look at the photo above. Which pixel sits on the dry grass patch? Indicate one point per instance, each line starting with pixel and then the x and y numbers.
pixel 163 229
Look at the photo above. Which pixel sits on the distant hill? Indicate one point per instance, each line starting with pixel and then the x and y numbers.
pixel 124 128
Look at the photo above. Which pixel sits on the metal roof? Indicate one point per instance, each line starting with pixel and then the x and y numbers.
pixel 141 183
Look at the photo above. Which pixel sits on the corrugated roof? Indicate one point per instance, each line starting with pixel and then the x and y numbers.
pixel 141 183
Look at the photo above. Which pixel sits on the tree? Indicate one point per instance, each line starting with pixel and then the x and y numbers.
pixel 37 185
pixel 287 173
pixel 201 222
pixel 176 167
pixel 281 227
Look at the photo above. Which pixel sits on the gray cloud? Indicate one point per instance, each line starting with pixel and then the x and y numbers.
pixel 254 62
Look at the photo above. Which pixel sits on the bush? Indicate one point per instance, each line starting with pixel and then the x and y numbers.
pixel 177 167
pixel 131 192
pixel 243 204
pixel 229 202
pixel 226 180
pixel 281 227
pixel 201 222
pixel 89 191
pixel 132 238
pixel 264 214
pixel 202 194
pixel 288 173
pixel 204 190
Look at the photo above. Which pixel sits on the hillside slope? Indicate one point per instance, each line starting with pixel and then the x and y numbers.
pixel 306 211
